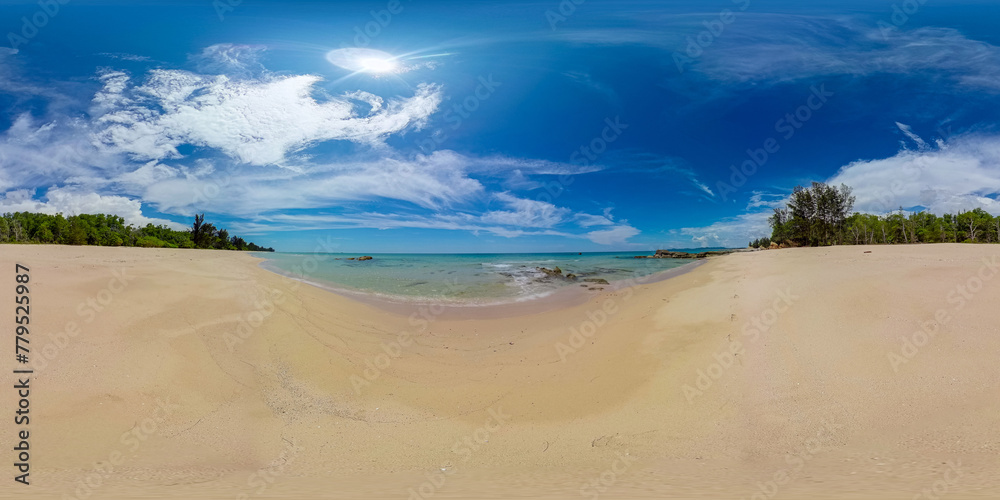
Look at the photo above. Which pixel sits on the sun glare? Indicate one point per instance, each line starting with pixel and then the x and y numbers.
pixel 375 65
pixel 364 60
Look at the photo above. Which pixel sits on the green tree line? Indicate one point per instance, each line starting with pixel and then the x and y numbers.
pixel 817 216
pixel 111 230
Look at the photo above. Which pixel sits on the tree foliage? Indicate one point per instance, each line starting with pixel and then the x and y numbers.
pixel 111 230
pixel 818 216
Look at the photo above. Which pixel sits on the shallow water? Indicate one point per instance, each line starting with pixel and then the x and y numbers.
pixel 463 278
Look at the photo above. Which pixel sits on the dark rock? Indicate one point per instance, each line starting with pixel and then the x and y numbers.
pixel 550 272
pixel 666 254
pixel 366 257
pixel 599 281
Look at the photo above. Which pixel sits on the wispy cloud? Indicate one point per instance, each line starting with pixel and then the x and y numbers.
pixel 913 137
pixel 587 81
pixel 761 48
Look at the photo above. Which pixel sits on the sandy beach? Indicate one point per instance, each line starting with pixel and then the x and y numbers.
pixel 799 373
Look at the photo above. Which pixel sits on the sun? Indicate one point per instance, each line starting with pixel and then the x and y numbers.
pixel 364 60
pixel 378 65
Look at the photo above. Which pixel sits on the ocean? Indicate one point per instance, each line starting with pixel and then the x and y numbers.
pixel 463 279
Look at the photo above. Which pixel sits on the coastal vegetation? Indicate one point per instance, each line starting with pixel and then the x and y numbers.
pixel 111 230
pixel 817 216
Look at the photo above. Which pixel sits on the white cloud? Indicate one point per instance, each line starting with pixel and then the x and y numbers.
pixel 524 213
pixel 229 59
pixel 913 137
pixel 588 220
pixel 760 199
pixel 435 181
pixel 34 152
pixel 733 232
pixel 258 122
pixel 963 175
pixel 702 186
pixel 616 235
pixel 70 202
pixel 126 57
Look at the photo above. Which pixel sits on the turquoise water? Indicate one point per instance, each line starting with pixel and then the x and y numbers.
pixel 462 278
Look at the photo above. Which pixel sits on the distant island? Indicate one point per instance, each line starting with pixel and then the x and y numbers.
pixel 111 231
pixel 817 216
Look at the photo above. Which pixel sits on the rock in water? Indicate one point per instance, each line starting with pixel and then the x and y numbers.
pixel 666 254
pixel 550 272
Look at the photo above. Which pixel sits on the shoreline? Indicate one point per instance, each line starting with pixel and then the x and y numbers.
pixel 560 298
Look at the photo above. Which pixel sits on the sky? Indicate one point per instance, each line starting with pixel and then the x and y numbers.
pixel 424 126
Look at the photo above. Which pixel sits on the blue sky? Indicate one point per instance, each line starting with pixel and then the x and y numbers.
pixel 495 127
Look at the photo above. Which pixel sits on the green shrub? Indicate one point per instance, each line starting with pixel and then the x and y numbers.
pixel 150 242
